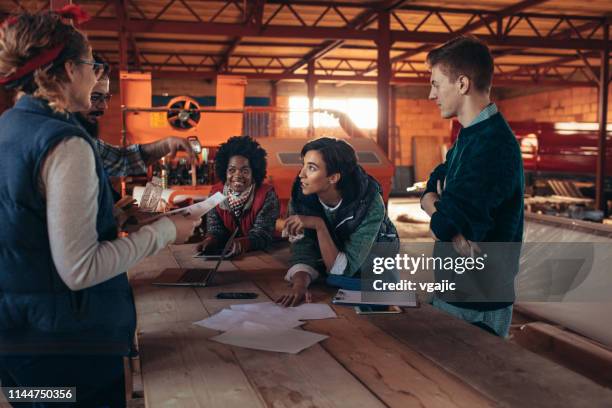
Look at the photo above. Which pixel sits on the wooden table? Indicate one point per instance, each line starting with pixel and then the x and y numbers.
pixel 422 358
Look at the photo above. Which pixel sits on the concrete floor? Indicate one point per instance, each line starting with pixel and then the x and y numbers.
pixel 413 223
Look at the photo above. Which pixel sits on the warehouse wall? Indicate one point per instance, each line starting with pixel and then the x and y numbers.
pixel 414 114
pixel 110 125
pixel 284 130
pixel 564 105
pixel 416 117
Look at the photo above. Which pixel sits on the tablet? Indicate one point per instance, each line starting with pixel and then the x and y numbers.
pixel 377 309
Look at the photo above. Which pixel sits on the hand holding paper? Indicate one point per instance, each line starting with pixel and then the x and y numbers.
pixel 197 210
pixel 193 212
pixel 185 226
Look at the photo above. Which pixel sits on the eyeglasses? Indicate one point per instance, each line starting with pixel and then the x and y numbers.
pixel 98 67
pixel 99 97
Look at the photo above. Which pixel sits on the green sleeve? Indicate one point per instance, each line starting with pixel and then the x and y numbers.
pixel 306 250
pixel 360 242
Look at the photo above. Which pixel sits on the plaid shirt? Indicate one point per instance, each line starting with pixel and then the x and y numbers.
pixel 486 113
pixel 121 161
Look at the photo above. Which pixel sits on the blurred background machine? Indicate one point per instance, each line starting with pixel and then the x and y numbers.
pixel 211 126
pixel 560 160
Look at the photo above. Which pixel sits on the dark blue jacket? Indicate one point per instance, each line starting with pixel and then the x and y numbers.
pixel 482 200
pixel 38 312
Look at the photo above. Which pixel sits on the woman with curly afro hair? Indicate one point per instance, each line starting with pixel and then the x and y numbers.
pixel 252 205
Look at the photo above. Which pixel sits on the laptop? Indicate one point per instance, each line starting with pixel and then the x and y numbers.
pixel 202 278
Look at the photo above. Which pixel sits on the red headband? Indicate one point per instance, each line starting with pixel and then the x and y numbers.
pixel 71 11
pixel 32 65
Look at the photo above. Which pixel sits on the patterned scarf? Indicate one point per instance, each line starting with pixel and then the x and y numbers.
pixel 237 201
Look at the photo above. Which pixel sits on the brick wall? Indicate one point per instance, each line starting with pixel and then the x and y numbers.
pixel 418 117
pixel 564 105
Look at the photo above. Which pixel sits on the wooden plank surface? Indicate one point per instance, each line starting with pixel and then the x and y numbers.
pixel 569 349
pixel 399 376
pixel 503 371
pixel 422 358
pixel 311 378
pixel 181 367
pixel 153 266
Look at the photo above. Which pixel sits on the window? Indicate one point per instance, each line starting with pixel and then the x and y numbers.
pixel 362 111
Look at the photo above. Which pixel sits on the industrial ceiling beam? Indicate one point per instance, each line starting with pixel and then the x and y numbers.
pixel 563 58
pixel 604 81
pixel 245 43
pixel 264 43
pixel 357 28
pixel 511 40
pixel 253 18
pixel 342 74
pixel 223 63
pixel 471 27
pixel 342 33
pixel 383 79
pixel 362 20
pixel 182 74
pixel 559 62
pixel 125 36
pixel 566 33
pixel 229 29
pixel 120 26
pixel 311 85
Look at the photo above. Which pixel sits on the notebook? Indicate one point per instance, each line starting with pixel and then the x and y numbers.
pixel 355 297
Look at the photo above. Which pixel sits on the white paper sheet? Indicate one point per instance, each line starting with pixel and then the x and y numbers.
pixel 199 209
pixel 306 311
pixel 228 319
pixel 194 211
pixel 261 337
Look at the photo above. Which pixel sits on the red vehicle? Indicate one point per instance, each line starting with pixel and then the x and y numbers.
pixel 559 150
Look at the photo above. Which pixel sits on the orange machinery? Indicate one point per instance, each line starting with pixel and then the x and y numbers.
pixel 142 123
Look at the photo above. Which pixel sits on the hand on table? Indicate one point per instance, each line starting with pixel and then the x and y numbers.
pixel 207 242
pixel 298 293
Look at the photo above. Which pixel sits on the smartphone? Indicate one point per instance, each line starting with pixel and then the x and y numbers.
pixel 211 253
pixel 210 257
pixel 195 144
pixel 377 309
pixel 236 295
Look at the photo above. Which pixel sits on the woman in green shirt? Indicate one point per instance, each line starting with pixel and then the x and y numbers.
pixel 337 214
